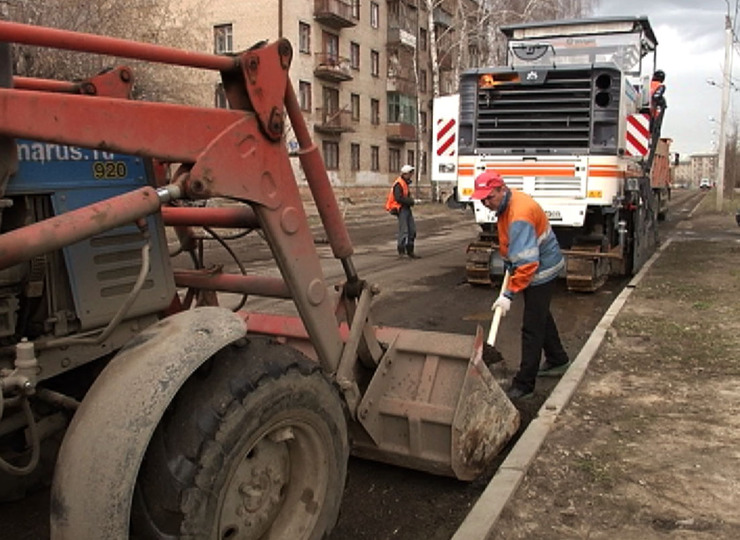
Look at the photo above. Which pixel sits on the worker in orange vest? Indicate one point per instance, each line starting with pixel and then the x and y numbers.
pixel 533 259
pixel 399 203
pixel 657 97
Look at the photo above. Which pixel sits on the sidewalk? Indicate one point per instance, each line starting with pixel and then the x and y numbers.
pixel 649 445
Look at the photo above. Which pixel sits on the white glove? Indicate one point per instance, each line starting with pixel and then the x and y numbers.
pixel 504 303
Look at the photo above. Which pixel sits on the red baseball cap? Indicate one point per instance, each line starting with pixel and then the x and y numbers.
pixel 485 183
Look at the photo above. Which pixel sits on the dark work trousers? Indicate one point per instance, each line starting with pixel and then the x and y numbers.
pixel 406 230
pixel 539 333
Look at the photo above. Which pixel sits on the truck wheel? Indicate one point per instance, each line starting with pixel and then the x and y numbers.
pixel 254 446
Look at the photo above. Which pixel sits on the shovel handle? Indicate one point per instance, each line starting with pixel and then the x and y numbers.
pixel 497 312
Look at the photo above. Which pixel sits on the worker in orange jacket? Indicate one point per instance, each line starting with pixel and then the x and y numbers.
pixel 657 98
pixel 532 256
pixel 399 203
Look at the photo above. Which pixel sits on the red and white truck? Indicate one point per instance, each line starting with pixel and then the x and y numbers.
pixel 567 121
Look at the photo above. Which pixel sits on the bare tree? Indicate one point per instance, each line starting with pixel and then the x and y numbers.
pixel 503 12
pixel 456 27
pixel 152 21
pixel 472 38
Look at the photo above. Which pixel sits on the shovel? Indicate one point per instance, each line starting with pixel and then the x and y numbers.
pixel 490 354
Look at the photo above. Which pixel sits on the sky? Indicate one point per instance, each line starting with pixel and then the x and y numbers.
pixel 691 45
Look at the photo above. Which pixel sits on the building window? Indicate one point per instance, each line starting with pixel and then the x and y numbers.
pixel 374 158
pixel 221 102
pixel 304 95
pixel 394 109
pixel 356 10
pixel 423 122
pixel 394 160
pixel 223 41
pixel 374 14
pixel 375 63
pixel 423 80
pixel 330 100
pixel 354 55
pixel 474 56
pixel 331 155
pixel 355 150
pixel 401 109
pixel 331 46
pixel 375 112
pixel 355 101
pixel 423 161
pixel 410 157
pixel 304 37
pixel 423 39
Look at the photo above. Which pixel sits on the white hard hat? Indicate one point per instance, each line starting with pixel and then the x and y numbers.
pixel 407 169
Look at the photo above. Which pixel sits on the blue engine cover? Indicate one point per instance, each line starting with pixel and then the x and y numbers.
pixel 102 269
pixel 48 167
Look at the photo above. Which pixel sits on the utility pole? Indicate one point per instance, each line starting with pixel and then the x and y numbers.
pixel 726 84
pixel 417 67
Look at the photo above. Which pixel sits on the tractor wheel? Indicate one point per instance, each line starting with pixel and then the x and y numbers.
pixel 254 446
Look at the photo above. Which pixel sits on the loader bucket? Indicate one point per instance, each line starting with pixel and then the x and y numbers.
pixel 434 406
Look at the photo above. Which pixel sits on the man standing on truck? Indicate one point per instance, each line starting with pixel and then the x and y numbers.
pixel 399 204
pixel 657 100
pixel 532 256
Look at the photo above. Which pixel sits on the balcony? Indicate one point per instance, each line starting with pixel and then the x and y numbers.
pixel 400 133
pixel 333 121
pixel 333 13
pixel 398 36
pixel 331 67
pixel 446 49
pixel 444 61
pixel 442 18
pixel 400 85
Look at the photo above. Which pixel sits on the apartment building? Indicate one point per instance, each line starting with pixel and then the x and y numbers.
pixel 361 71
pixel 682 174
pixel 703 165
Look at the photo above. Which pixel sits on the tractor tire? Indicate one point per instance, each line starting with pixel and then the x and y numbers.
pixel 254 446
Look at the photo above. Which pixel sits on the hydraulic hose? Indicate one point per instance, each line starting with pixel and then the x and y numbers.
pixel 120 314
pixel 35 444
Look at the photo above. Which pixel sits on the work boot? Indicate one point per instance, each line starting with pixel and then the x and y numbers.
pixel 553 370
pixel 517 393
pixel 401 252
pixel 410 252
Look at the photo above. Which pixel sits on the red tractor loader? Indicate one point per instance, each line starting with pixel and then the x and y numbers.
pixel 179 417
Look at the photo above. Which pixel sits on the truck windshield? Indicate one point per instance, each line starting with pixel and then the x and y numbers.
pixel 621 49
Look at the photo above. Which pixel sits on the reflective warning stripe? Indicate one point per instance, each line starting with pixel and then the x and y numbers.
pixel 604 171
pixel 536 171
pixel 446 137
pixel 519 168
pixel 638 135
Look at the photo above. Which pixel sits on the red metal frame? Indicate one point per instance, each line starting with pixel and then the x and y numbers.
pixel 237 153
pixel 234 217
pixel 45 85
pixel 38 238
pixel 117 83
pixel 78 41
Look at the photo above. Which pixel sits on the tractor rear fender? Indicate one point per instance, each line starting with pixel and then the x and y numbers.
pixel 102 451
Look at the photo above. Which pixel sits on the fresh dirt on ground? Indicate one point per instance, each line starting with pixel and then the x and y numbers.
pixel 648 447
pixel 382 502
